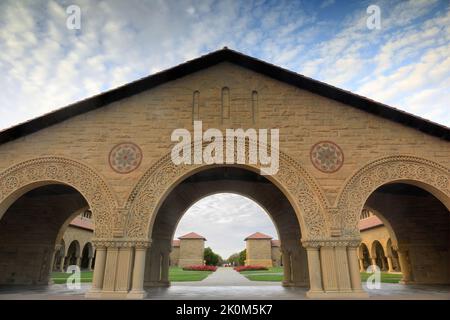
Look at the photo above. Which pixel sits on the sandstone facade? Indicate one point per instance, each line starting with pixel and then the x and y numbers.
pixel 338 153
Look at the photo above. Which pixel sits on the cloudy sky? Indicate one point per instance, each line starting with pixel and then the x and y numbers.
pixel 225 220
pixel 44 65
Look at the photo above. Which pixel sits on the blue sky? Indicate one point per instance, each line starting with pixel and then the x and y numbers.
pixel 45 66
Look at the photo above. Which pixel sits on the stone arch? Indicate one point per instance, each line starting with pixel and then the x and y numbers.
pixel 293 180
pixel 25 176
pixel 386 223
pixel 76 245
pixel 89 248
pixel 420 172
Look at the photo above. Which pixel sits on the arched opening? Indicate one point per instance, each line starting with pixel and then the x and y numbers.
pixel 418 224
pixel 235 180
pixel 229 227
pixel 378 256
pixel 73 254
pixel 30 231
pixel 87 256
pixel 364 257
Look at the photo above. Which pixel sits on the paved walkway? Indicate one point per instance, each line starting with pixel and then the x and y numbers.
pixel 226 277
pixel 226 284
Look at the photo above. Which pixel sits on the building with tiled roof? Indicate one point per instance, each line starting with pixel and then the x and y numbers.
pixel 262 250
pixel 188 250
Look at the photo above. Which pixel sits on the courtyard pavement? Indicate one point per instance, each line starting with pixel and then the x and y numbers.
pixel 226 284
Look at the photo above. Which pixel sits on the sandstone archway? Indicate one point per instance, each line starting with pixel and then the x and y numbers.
pixel 31 174
pixel 411 196
pixel 227 179
pixel 420 172
pixel 298 186
pixel 43 194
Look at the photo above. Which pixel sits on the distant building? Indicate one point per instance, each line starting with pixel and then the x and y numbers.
pixel 188 250
pixel 262 250
pixel 76 247
pixel 376 244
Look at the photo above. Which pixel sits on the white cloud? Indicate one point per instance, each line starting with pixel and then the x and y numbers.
pixel 225 220
pixel 45 66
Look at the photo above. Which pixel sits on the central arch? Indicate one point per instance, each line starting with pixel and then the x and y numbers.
pixel 226 179
pixel 296 184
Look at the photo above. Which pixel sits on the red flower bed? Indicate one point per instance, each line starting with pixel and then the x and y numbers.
pixel 249 268
pixel 200 268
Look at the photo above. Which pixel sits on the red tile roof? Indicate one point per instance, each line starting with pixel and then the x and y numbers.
pixel 258 235
pixel 82 223
pixel 275 243
pixel 192 235
pixel 371 222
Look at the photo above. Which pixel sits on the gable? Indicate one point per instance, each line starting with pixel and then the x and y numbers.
pixel 214 58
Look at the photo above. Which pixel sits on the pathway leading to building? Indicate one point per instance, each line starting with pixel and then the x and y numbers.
pixel 226 277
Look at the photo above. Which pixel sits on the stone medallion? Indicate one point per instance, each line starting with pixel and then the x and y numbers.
pixel 327 156
pixel 125 157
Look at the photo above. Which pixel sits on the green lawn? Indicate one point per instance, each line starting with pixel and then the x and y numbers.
pixel 276 274
pixel 61 277
pixel 273 274
pixel 385 277
pixel 175 274
pixel 178 274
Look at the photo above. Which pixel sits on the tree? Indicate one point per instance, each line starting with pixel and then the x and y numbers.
pixel 234 259
pixel 211 258
pixel 242 257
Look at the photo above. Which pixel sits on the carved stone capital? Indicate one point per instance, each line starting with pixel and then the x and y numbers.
pixel 331 243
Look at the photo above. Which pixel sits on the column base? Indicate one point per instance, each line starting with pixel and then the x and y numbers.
pixel 337 294
pixel 287 284
pixel 406 282
pixel 106 294
pixel 137 295
pixel 164 283
pixel 156 284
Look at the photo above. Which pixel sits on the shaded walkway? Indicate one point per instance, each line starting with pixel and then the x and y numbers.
pixel 251 292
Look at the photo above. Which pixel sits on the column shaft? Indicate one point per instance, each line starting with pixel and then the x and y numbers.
pixel 315 271
pixel 99 271
pixel 137 289
pixel 355 276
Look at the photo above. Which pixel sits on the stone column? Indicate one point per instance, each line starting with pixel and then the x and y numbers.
pixel 361 265
pixel 99 271
pixel 299 267
pixel 383 263
pixel 165 268
pixel 390 264
pixel 405 266
pixel 373 262
pixel 90 263
pixel 287 268
pixel 137 289
pixel 78 261
pixel 63 262
pixel 315 271
pixel 355 276
pixel 52 262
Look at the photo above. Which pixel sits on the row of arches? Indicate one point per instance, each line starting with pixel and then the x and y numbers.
pixel 385 257
pixel 74 254
pixel 55 189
